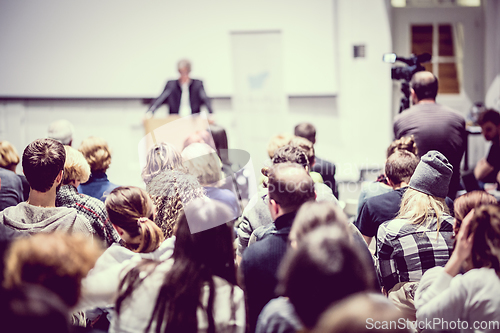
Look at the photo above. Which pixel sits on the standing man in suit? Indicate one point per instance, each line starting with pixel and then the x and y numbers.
pixel 183 96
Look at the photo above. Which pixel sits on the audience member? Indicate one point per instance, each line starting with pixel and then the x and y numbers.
pixel 325 168
pixel 131 211
pixel 76 171
pixel 171 191
pixel 62 131
pixel 43 165
pixel 472 297
pixel 289 186
pixel 467 202
pixel 279 314
pixel 56 261
pixel 381 185
pixel 98 155
pixel 33 308
pixel 434 126
pixel 308 147
pixel 399 168
pixel 363 313
pixel 278 141
pixel 201 161
pixel 421 235
pixel 12 190
pixel 325 268
pixel 257 213
pixel 488 168
pixel 162 156
pixel 195 290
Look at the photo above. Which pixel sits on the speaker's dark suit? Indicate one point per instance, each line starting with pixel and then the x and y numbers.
pixel 171 96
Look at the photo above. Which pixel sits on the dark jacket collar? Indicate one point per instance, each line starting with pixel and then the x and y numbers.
pixel 285 220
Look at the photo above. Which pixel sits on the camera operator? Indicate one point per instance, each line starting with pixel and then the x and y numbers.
pixel 434 126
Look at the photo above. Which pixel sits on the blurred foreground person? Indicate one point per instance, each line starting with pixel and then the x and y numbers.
pixel 363 313
pixel 473 296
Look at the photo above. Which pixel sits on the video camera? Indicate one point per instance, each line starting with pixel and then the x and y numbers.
pixel 405 73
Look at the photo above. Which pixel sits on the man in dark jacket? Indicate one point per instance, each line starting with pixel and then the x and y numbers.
pixel 184 96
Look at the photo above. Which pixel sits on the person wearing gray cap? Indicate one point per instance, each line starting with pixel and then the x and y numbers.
pixel 420 237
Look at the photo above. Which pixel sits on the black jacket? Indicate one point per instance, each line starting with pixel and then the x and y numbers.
pixel 171 96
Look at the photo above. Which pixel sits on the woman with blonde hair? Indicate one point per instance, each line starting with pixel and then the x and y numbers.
pixel 471 298
pixel 14 188
pixel 420 237
pixel 98 155
pixel 76 171
pixel 162 156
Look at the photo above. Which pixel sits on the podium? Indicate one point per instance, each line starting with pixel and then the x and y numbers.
pixel 172 129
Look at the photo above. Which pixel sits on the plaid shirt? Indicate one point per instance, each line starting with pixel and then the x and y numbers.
pixel 406 251
pixel 90 208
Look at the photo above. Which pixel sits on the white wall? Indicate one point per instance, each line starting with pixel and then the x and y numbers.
pixel 363 129
pixel 126 48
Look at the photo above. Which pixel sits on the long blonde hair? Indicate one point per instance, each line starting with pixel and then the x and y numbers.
pixel 419 208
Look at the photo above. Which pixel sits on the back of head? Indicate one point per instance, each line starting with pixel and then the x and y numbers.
pixel 76 167
pixel 201 161
pixel 171 191
pixel 425 85
pixel 403 143
pixel 400 166
pixel 290 185
pixel 291 154
pixel 211 247
pixel 163 156
pixel 362 313
pixel 32 308
pixel 306 145
pixel 307 131
pixel 62 131
pixel 314 214
pixel 489 115
pixel 325 268
pixel 467 202
pixel 9 158
pixel 97 153
pixel 43 159
pixel 278 141
pixel 131 209
pixel 485 226
pixel 56 261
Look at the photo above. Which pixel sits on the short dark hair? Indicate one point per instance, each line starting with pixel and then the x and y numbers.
pixel 490 115
pixel 43 159
pixel 290 154
pixel 400 166
pixel 325 258
pixel 306 130
pixel 425 86
pixel 290 185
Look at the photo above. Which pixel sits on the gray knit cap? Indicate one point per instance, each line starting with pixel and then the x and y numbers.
pixel 432 175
